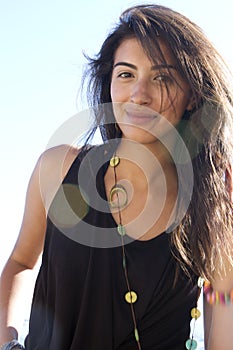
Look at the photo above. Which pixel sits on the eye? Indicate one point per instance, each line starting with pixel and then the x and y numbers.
pixel 125 75
pixel 163 78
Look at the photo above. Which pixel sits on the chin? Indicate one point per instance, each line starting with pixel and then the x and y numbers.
pixel 137 135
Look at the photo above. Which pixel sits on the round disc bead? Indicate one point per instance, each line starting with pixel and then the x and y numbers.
pixel 195 313
pixel 131 297
pixel 114 161
pixel 121 230
pixel 191 344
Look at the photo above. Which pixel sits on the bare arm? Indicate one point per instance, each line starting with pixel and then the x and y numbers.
pixel 45 180
pixel 207 320
pixel 218 319
pixel 24 256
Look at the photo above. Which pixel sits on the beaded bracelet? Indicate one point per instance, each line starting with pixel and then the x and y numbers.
pixel 215 297
pixel 14 344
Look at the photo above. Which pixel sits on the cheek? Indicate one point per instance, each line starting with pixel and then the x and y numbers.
pixel 183 104
pixel 118 93
pixel 177 108
pixel 114 92
pixel 117 111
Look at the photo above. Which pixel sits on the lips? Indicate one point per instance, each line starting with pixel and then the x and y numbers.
pixel 139 115
pixel 138 119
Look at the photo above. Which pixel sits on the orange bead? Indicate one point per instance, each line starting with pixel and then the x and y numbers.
pixel 209 298
pixel 231 294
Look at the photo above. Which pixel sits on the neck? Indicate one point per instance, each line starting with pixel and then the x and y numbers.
pixel 150 185
pixel 146 156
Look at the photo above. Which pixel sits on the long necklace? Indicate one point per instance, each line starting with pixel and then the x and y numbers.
pixel 131 296
pixel 117 190
pixel 191 343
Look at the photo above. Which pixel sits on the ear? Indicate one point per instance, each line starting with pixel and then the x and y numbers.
pixel 191 103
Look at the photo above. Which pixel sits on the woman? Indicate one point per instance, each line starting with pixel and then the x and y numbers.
pixel 111 276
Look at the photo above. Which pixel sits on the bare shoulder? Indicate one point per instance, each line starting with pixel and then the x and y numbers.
pixel 60 157
pixel 53 166
pixel 46 178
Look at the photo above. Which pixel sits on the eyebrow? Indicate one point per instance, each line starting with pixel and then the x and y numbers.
pixel 156 66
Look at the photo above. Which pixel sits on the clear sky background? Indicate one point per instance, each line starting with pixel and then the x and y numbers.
pixel 41 63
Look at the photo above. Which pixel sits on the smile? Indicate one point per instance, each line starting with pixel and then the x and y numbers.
pixel 139 119
pixel 139 115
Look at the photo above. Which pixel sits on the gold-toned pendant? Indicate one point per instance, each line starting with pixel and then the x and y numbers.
pixel 195 313
pixel 114 161
pixel 131 297
pixel 121 197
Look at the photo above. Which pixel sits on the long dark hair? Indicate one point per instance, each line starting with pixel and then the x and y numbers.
pixel 203 240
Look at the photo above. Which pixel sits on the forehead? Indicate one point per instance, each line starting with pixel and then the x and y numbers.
pixel 131 49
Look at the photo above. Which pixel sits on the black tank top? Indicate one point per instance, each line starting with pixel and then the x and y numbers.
pixel 78 302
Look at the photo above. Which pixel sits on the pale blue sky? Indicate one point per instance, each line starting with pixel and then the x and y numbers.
pixel 40 69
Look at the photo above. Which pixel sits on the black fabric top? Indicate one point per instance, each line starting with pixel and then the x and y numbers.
pixel 79 300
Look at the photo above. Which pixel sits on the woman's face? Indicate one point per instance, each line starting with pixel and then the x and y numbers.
pixel 142 91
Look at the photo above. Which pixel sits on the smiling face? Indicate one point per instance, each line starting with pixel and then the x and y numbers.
pixel 142 91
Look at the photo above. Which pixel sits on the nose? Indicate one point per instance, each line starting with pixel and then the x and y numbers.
pixel 140 93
